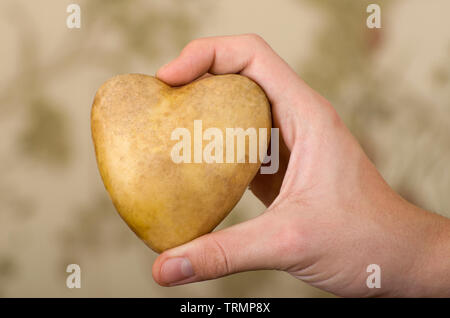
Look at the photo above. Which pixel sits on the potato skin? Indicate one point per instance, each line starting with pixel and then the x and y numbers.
pixel 164 203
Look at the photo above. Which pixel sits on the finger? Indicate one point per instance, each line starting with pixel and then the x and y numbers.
pixel 248 55
pixel 247 246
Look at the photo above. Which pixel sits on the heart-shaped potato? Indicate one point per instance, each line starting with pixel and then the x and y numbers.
pixel 167 203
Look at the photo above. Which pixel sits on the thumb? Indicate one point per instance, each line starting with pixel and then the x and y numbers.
pixel 246 246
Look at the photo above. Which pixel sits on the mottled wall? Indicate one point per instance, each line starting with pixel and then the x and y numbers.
pixel 390 85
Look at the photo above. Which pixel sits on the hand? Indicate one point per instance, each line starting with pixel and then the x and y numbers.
pixel 330 214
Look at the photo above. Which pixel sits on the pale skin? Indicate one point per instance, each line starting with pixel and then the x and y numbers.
pixel 329 212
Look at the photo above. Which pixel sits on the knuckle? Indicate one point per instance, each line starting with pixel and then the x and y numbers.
pixel 256 38
pixel 326 113
pixel 291 239
pixel 213 259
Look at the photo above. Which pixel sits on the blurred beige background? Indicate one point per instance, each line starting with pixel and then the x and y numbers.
pixel 390 85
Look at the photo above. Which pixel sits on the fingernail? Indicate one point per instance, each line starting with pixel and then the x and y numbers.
pixel 176 269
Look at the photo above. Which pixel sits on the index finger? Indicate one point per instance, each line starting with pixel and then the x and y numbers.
pixel 248 55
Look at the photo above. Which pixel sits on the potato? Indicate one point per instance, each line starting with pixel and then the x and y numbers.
pixel 165 202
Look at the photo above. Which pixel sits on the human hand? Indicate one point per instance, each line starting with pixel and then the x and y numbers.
pixel 330 214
